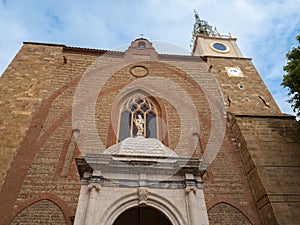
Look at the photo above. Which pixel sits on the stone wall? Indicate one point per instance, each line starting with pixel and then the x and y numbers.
pixel 270 154
pixel 253 97
pixel 266 140
pixel 226 182
pixel 24 85
pixel 38 147
pixel 36 131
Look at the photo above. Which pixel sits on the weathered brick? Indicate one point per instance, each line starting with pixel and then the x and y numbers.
pixel 255 174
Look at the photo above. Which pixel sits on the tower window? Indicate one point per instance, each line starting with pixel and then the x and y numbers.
pixel 141 45
pixel 138 107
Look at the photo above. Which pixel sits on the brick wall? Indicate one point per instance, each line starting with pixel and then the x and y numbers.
pixel 35 127
pixel 226 182
pixel 250 98
pixel 41 212
pixel 271 159
pixel 224 213
pixel 38 147
pixel 24 85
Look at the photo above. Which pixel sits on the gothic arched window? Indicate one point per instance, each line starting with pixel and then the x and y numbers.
pixel 130 110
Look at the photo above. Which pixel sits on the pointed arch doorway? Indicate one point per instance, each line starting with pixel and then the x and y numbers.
pixel 142 216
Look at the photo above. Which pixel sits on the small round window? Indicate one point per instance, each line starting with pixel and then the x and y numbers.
pixel 219 47
pixel 241 86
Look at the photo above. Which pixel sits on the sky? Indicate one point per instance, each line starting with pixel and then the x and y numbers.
pixel 265 29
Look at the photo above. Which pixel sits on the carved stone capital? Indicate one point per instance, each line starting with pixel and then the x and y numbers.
pixel 143 195
pixel 190 188
pixel 95 186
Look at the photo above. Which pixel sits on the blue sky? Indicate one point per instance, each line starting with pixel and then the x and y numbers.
pixel 265 29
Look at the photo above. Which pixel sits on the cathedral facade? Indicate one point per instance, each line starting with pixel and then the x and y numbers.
pixel 137 137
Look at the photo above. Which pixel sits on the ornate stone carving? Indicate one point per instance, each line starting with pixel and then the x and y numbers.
pixel 143 195
pixel 139 71
pixel 95 186
pixel 190 188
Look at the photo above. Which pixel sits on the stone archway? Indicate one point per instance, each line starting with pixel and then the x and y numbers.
pixel 142 216
pixel 155 201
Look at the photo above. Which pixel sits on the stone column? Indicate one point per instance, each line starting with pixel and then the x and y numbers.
pixel 94 190
pixel 192 205
pixel 202 207
pixel 82 205
pixel 195 202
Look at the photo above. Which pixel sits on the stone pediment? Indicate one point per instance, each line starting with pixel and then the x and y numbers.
pixel 140 146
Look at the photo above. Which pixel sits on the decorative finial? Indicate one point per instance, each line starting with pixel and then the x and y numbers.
pixel 201 27
pixel 142 35
pixel 196 14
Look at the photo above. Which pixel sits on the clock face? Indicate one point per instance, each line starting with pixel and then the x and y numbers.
pixel 219 47
pixel 234 72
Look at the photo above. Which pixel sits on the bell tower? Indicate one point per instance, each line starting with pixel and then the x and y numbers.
pixel 253 115
pixel 243 89
pixel 207 41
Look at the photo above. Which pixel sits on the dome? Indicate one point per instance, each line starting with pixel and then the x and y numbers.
pixel 133 146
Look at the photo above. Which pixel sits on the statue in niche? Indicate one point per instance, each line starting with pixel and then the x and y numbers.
pixel 139 123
